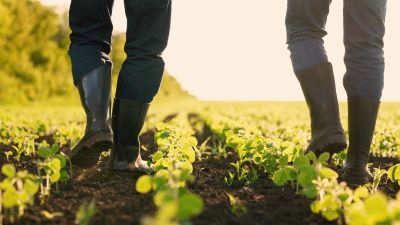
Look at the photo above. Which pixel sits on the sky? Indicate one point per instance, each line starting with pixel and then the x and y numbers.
pixel 235 49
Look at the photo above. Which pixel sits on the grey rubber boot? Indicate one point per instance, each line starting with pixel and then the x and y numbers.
pixel 319 90
pixel 128 120
pixel 363 113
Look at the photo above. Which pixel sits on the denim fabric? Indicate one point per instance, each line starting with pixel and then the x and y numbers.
pixel 146 39
pixel 364 29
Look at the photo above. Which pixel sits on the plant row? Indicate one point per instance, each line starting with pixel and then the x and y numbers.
pixel 173 167
pixel 287 164
pixel 20 188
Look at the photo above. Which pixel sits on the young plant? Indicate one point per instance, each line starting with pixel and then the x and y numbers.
pixel 372 209
pixel 24 144
pixel 173 169
pixel 85 213
pixel 52 167
pixel 230 179
pixel 237 208
pixel 8 154
pixel 378 173
pixel 17 191
pixel 394 173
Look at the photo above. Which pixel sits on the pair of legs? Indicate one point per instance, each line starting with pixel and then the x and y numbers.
pixel 138 81
pixel 364 30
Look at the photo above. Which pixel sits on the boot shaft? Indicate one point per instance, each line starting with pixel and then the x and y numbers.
pixel 318 85
pixel 362 114
pixel 95 94
pixel 128 118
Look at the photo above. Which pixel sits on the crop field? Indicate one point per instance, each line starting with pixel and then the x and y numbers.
pixel 216 163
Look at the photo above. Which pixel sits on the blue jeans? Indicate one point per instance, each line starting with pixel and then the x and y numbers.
pixel 364 29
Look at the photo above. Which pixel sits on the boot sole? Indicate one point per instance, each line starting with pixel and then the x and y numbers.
pixel 355 182
pixel 332 144
pixel 331 148
pixel 91 150
pixel 356 178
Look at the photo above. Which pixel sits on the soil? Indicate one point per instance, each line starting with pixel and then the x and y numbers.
pixel 117 202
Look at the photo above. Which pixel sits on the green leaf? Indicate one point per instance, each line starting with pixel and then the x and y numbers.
pixel 279 177
pixel 361 192
pixel 64 176
pixel 328 173
pixel 186 166
pixel 355 214
pixel 316 206
pixel 191 154
pixel 159 183
pixel 324 157
pixel 85 213
pixel 283 161
pixel 168 211
pixel 192 141
pixel 310 191
pixel 306 176
pixel 301 161
pixel 290 173
pixel 144 184
pixel 394 173
pixel 8 170
pixel 55 177
pixel 44 152
pixel 331 215
pixel 10 198
pixel 376 206
pixel 55 164
pixel 54 149
pixel 311 155
pixel 62 159
pixel 31 187
pixel 157 156
pixel 189 206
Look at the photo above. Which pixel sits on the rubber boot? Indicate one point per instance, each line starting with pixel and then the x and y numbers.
pixel 363 113
pixel 95 94
pixel 128 120
pixel 318 85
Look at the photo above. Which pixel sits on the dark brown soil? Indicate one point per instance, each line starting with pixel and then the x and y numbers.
pixel 117 202
pixel 265 203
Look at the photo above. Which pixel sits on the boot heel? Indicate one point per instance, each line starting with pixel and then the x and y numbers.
pixel 91 150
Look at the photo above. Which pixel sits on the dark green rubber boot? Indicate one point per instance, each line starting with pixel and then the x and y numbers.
pixel 128 120
pixel 319 90
pixel 363 113
pixel 95 93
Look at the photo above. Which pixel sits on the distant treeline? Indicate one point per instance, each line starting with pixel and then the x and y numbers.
pixel 34 64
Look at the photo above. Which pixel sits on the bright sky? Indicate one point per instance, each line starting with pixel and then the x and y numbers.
pixel 235 49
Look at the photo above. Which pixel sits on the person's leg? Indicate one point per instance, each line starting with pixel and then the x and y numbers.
pixel 364 29
pixel 305 24
pixel 140 77
pixel 91 27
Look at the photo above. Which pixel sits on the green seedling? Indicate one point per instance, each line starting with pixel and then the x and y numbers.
pixel 52 167
pixel 394 173
pixel 8 154
pixel 237 208
pixel 173 169
pixel 85 213
pixel 24 144
pixel 230 179
pixel 378 173
pixel 17 191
